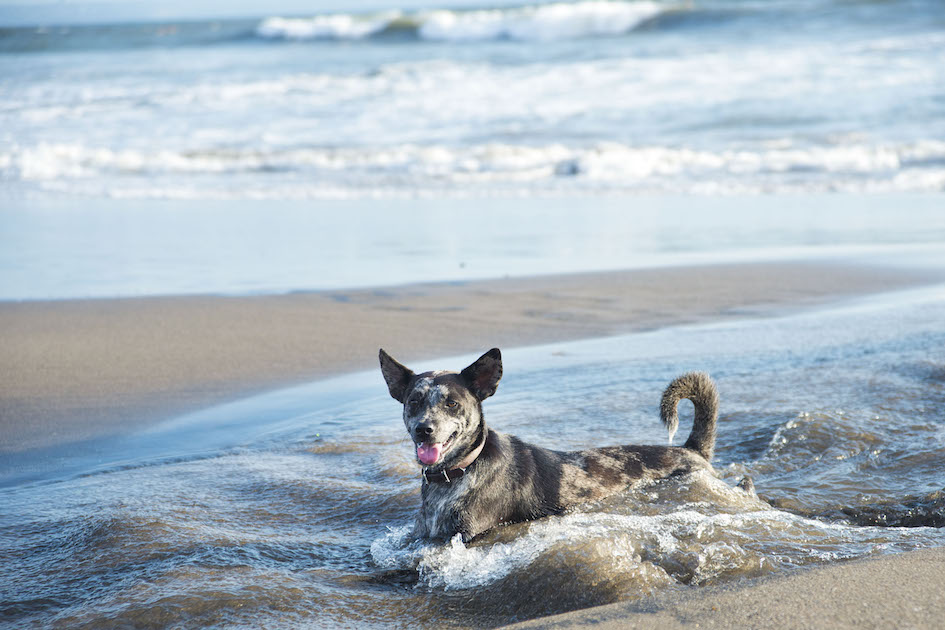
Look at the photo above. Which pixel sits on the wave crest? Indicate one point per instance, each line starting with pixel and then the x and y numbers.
pixel 492 167
pixel 339 26
pixel 543 22
pixel 540 23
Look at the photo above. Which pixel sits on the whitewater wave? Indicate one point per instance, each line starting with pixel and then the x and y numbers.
pixel 327 26
pixel 488 168
pixel 544 22
pixel 640 541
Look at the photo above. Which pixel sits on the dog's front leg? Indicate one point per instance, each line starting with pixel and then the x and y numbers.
pixel 474 522
pixel 466 530
pixel 420 529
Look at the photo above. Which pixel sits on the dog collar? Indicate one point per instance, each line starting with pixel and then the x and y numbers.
pixel 451 475
pixel 443 476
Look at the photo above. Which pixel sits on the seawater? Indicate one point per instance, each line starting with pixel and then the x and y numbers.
pixel 62 249
pixel 591 97
pixel 292 509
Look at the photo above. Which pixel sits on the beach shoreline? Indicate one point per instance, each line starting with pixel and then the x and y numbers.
pixel 893 591
pixel 78 370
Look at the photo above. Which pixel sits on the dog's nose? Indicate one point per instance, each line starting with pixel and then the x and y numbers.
pixel 423 431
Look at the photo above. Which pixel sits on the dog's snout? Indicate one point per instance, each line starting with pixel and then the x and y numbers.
pixel 423 431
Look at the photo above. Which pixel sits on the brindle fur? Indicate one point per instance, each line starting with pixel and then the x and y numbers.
pixel 513 481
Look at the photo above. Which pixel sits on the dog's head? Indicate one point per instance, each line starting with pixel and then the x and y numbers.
pixel 443 410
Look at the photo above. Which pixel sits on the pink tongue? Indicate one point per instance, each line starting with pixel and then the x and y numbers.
pixel 429 453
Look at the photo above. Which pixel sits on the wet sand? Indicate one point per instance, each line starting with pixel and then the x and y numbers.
pixel 80 370
pixel 901 591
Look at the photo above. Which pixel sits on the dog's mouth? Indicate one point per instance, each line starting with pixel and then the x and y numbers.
pixel 429 453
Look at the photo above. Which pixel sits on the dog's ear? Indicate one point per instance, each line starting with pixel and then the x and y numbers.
pixel 396 375
pixel 483 375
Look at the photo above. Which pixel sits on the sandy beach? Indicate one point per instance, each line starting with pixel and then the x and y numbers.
pixel 82 370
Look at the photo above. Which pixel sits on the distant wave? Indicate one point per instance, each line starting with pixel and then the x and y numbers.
pixel 315 172
pixel 542 22
pixel 534 22
pixel 327 26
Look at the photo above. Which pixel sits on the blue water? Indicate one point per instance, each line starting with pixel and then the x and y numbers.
pixel 590 98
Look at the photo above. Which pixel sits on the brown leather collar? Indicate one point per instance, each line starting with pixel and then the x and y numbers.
pixel 451 475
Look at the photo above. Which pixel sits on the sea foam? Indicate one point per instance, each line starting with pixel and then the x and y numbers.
pixel 600 168
pixel 690 545
pixel 539 23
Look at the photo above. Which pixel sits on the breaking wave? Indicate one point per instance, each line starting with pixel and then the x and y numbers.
pixel 543 22
pixel 327 26
pixel 537 22
pixel 696 530
pixel 318 172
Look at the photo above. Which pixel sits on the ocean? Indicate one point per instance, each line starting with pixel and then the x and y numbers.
pixel 594 97
pixel 247 155
pixel 389 145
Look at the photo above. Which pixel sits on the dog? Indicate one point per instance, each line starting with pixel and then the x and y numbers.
pixel 475 479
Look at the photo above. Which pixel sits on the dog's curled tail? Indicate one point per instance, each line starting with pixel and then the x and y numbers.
pixel 700 389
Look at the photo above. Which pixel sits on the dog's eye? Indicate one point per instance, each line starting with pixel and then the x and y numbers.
pixel 413 405
pixel 452 404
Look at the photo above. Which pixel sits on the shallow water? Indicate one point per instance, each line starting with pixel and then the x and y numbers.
pixel 291 509
pixel 109 248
